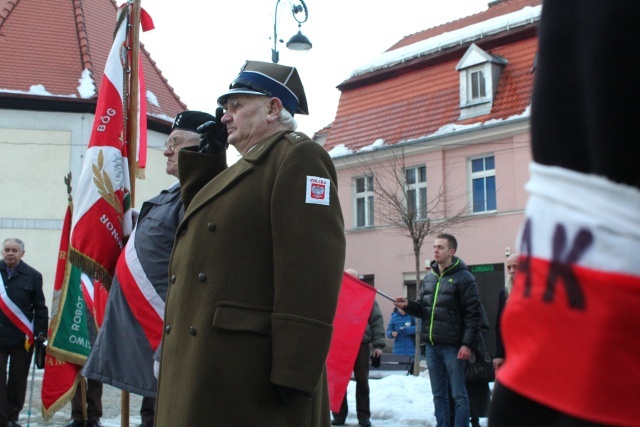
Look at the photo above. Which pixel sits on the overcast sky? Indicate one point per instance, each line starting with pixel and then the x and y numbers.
pixel 200 45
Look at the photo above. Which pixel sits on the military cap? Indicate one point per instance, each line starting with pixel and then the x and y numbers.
pixel 273 80
pixel 191 120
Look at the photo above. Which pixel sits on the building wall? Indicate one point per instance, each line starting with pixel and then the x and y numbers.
pixel 37 150
pixel 387 253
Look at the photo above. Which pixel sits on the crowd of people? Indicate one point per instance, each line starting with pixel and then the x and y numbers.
pixel 241 341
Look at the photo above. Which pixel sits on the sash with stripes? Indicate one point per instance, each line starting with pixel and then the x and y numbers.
pixel 143 300
pixel 16 316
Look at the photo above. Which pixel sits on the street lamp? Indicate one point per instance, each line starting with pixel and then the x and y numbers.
pixel 299 41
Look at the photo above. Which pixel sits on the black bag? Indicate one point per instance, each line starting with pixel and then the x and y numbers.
pixel 480 367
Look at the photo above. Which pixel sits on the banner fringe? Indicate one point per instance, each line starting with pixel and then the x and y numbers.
pixel 47 414
pixel 140 174
pixel 89 266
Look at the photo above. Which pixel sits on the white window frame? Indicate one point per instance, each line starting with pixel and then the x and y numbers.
pixel 483 174
pixel 416 192
pixel 365 200
pixel 471 73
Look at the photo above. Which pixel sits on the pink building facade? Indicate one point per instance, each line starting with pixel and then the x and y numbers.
pixel 453 123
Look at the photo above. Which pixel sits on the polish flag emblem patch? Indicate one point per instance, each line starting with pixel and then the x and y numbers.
pixel 318 190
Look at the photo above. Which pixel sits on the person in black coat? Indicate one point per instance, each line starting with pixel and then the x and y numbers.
pixel 503 296
pixel 23 318
pixel 449 306
pixel 571 323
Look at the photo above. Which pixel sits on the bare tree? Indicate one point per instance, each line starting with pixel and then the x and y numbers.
pixel 402 208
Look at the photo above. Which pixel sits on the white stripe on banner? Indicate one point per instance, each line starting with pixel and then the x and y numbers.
pixel 567 203
pixel 145 286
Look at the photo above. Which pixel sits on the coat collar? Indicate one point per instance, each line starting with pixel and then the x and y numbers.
pixel 232 174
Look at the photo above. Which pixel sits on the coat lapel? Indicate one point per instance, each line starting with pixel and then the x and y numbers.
pixel 233 174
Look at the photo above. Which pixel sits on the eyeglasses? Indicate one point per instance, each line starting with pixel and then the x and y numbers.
pixel 171 145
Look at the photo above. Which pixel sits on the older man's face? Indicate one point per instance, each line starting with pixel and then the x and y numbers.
pixel 512 265
pixel 11 253
pixel 178 139
pixel 247 118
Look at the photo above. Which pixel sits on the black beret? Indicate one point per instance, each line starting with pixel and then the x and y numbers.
pixel 273 80
pixel 191 120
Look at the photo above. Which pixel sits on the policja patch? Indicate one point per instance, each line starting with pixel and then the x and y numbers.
pixel 318 190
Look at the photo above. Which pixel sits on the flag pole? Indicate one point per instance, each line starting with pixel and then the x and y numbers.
pixel 133 99
pixel 132 140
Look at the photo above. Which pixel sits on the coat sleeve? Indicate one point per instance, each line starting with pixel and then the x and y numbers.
pixel 377 327
pixel 195 170
pixel 414 309
pixel 499 344
pixel 308 257
pixel 40 310
pixel 410 330
pixel 391 327
pixel 471 310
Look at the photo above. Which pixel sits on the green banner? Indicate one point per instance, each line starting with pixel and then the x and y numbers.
pixel 69 339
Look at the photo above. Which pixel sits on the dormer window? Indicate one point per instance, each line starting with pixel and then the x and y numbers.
pixel 479 76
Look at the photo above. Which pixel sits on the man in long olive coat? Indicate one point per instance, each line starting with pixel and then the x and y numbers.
pixel 256 267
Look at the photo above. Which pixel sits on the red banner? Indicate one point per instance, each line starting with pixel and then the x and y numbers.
pixel 557 343
pixel 354 308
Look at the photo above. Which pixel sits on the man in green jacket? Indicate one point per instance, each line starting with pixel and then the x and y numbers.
pixel 449 306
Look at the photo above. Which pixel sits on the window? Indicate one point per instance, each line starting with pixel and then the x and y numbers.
pixel 364 201
pixel 480 73
pixel 416 181
pixel 483 184
pixel 477 84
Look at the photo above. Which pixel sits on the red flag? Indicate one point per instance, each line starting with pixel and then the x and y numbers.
pixel 354 308
pixel 60 377
pixel 102 215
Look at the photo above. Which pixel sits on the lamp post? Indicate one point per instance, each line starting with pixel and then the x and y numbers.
pixel 299 41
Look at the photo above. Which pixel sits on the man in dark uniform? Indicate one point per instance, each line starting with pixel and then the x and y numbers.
pixel 146 258
pixel 256 268
pixel 23 318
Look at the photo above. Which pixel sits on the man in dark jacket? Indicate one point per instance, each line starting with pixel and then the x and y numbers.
pixel 23 317
pixel 373 337
pixel 450 309
pixel 146 256
pixel 570 326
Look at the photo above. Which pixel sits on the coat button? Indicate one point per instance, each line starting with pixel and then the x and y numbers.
pixel 202 277
pixel 167 329
pixel 183 232
pixel 211 226
pixel 173 279
pixel 192 331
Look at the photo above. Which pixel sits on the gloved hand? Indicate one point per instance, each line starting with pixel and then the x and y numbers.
pixel 284 393
pixel 156 369
pixel 213 135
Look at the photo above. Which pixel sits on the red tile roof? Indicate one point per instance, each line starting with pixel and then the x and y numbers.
pixel 415 99
pixel 495 10
pixel 50 42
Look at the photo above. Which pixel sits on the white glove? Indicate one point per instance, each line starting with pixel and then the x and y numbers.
pixel 156 369
pixel 135 213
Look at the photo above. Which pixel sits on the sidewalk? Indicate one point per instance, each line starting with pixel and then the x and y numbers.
pixel 111 406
